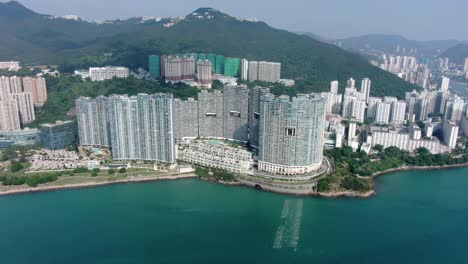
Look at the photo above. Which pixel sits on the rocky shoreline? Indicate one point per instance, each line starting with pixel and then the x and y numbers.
pixel 410 168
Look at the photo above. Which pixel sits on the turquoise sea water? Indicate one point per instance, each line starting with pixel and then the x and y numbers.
pixel 417 217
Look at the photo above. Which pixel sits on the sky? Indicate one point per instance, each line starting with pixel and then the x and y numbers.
pixel 414 19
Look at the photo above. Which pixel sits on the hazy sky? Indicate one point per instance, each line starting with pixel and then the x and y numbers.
pixel 414 19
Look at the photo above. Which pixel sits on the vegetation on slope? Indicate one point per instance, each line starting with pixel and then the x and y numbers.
pixel 351 166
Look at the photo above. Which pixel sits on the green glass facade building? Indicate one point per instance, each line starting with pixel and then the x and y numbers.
pixel 154 66
pixel 212 59
pixel 201 56
pixel 58 135
pixel 219 64
pixel 28 136
pixel 232 67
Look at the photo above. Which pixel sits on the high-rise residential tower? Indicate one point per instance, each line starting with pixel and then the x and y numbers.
pixel 204 73
pixel 291 134
pixel 253 71
pixel 351 83
pixel 365 88
pixel 444 86
pixel 141 127
pixel 465 67
pixel 255 96
pixel 244 70
pixel 38 89
pixel 25 107
pixel 382 115
pixel 9 115
pixel 93 125
pixel 334 85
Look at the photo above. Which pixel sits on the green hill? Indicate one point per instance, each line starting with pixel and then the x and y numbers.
pixel 34 38
pixel 390 44
pixel 457 53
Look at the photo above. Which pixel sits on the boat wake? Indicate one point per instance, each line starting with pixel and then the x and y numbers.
pixel 288 233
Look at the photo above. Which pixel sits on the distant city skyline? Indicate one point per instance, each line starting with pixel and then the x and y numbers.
pixel 417 19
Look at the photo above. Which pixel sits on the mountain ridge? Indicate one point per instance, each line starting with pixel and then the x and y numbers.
pixel 388 43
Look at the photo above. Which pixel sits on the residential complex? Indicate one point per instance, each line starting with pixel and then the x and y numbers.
pixel 406 67
pixel 408 139
pixel 217 155
pixel 136 127
pixel 10 65
pixel 18 97
pixel 147 127
pixel 141 127
pixel 107 73
pixel 287 134
pixel 195 66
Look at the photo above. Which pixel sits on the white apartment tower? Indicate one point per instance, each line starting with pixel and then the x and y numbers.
pixel 10 65
pixel 365 88
pixel 358 110
pixel 465 67
pixel 334 87
pixel 398 112
pixel 445 83
pixel 107 73
pixel 450 131
pixel 382 115
pixel 372 106
pixel 351 83
pixel 244 70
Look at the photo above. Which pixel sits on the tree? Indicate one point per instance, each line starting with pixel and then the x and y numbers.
pixel 16 166
pixel 80 170
pixel 32 181
pixel 122 170
pixel 111 171
pixel 378 148
pixel 9 153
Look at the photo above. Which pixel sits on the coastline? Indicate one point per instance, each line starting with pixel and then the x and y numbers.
pixel 416 168
pixel 136 179
pixel 346 194
pixel 96 184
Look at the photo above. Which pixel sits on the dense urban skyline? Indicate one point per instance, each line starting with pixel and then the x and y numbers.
pixel 352 18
